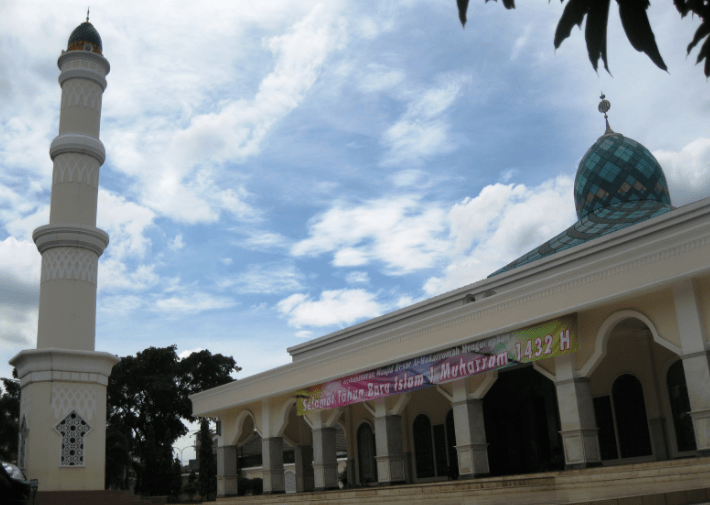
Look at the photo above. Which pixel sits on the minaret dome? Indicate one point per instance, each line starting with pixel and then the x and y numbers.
pixel 85 38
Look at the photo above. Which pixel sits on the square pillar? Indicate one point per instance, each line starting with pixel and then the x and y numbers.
pixel 391 461
pixel 272 452
pixel 697 378
pixel 227 470
pixel 471 446
pixel 325 461
pixel 696 361
pixel 304 468
pixel 579 428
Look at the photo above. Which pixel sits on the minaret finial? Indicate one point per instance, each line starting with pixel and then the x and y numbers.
pixel 87 13
pixel 604 107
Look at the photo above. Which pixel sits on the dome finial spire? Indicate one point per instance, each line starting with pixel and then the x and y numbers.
pixel 87 13
pixel 604 107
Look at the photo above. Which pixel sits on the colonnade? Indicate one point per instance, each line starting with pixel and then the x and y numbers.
pixel 316 463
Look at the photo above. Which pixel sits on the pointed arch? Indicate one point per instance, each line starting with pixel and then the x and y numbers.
pixel 605 331
pixel 239 422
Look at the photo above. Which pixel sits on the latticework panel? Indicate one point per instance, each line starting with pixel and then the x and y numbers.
pixel 68 397
pixel 69 263
pixel 74 167
pixel 81 93
pixel 72 429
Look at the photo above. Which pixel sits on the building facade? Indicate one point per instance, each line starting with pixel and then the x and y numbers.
pixel 501 393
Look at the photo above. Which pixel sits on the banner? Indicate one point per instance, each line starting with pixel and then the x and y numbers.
pixel 542 341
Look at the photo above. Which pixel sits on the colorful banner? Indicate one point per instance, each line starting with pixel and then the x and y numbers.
pixel 542 341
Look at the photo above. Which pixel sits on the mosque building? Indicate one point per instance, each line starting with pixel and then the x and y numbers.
pixel 590 350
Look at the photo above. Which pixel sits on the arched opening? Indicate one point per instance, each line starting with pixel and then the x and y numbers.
pixel 366 454
pixel 522 423
pixel 680 407
pixel 423 447
pixel 631 419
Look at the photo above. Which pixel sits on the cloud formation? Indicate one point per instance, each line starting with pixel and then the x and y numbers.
pixel 334 307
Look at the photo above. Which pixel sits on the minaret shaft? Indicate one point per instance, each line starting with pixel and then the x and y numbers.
pixel 71 243
pixel 62 437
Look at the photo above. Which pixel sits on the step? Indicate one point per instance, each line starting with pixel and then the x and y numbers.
pixel 87 498
pixel 656 471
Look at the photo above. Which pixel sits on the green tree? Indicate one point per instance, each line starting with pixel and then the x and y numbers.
pixel 176 480
pixel 9 417
pixel 118 458
pixel 147 401
pixel 191 486
pixel 208 463
pixel 634 20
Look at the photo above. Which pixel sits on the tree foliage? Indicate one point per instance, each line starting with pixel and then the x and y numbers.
pixel 9 418
pixel 634 20
pixel 208 463
pixel 147 401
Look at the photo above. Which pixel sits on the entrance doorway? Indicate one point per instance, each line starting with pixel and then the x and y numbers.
pixel 522 423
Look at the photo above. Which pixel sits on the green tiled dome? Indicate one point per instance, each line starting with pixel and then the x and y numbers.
pixel 83 34
pixel 619 183
pixel 617 169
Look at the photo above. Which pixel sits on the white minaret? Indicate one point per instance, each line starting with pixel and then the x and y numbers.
pixel 63 406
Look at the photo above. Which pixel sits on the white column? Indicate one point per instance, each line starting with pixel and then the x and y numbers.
pixel 389 447
pixel 272 455
pixel 579 427
pixel 227 470
pixel 696 361
pixel 304 468
pixel 471 446
pixel 325 461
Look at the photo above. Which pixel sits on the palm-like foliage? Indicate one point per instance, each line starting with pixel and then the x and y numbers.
pixel 634 20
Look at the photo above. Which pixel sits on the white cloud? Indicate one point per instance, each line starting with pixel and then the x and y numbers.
pixel 186 162
pixel 120 305
pixel 500 224
pixel 357 278
pixel 403 233
pixel 19 292
pixel 177 243
pixel 687 171
pixel 520 43
pixel 423 131
pixel 262 240
pixel 20 264
pixel 304 334
pixel 405 178
pixel 184 354
pixel 116 275
pixel 126 223
pixel 265 278
pixel 191 303
pixel 337 307
pixel 377 78
pixel 23 227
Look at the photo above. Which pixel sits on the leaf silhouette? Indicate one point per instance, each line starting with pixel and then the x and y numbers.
pixel 573 15
pixel 463 7
pixel 638 29
pixel 705 53
pixel 703 31
pixel 595 32
pixel 681 6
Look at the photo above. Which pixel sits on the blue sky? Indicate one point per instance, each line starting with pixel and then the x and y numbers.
pixel 280 170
